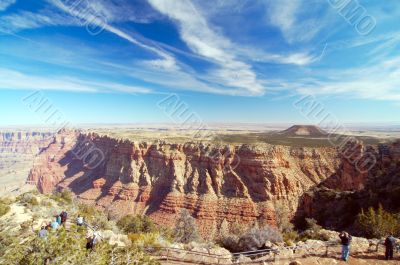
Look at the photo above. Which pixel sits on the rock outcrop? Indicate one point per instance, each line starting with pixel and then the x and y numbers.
pixel 17 151
pixel 336 201
pixel 240 183
pixel 237 183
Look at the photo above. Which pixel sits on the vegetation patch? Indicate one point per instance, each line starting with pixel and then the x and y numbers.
pixel 377 223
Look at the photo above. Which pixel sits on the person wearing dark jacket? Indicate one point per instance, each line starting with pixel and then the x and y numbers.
pixel 63 216
pixel 345 239
pixel 390 243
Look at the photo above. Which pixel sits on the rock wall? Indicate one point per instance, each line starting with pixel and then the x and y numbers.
pixel 335 202
pixel 17 151
pixel 23 142
pixel 237 183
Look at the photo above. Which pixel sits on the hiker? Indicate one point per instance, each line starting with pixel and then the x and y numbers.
pixel 345 239
pixel 58 219
pixel 46 225
pixel 89 240
pixel 94 239
pixel 43 232
pixel 390 243
pixel 55 225
pixel 79 220
pixel 63 216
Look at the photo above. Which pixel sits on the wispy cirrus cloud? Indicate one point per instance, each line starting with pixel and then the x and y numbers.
pixel 289 16
pixel 4 4
pixel 91 16
pixel 230 74
pixel 202 39
pixel 230 67
pixel 11 79
pixel 380 82
pixel 29 20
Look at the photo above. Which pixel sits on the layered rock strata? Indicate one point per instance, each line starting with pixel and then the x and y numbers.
pixel 240 183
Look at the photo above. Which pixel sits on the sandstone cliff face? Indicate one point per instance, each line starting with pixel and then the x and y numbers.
pixel 23 142
pixel 17 151
pixel 236 183
pixel 336 201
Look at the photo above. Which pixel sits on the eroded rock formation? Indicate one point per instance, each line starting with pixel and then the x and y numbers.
pixel 336 201
pixel 237 183
pixel 240 183
pixel 17 151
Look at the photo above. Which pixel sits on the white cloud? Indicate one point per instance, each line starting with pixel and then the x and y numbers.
pixel 283 14
pixel 29 20
pixel 229 75
pixel 201 39
pixel 120 10
pixel 256 55
pixel 93 19
pixel 4 4
pixel 289 17
pixel 379 82
pixel 11 79
pixel 229 70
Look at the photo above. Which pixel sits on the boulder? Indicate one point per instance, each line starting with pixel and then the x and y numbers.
pixel 120 240
pixel 315 247
pixel 359 245
pixel 243 259
pixel 200 253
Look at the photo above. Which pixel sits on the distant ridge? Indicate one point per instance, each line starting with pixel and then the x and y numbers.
pixel 304 131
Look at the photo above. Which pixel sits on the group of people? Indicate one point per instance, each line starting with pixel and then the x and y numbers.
pixel 345 238
pixel 61 219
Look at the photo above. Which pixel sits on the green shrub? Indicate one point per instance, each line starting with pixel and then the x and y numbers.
pixel 63 247
pixel 4 207
pixel 46 203
pixel 7 238
pixel 282 215
pixel 290 237
pixel 377 223
pixel 87 210
pixel 28 199
pixel 313 231
pixel 145 240
pixel 94 217
pixel 136 224
pixel 65 196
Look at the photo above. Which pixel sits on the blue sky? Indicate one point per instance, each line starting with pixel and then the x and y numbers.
pixel 104 61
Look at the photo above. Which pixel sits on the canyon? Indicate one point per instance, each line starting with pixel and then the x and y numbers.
pixel 234 183
pixel 18 148
pixel 336 201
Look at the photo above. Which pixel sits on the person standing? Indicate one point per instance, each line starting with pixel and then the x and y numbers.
pixel 390 243
pixel 55 225
pixel 43 232
pixel 58 219
pixel 89 240
pixel 79 220
pixel 63 216
pixel 345 239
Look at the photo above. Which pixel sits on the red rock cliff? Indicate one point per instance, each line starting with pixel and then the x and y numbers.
pixel 237 183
